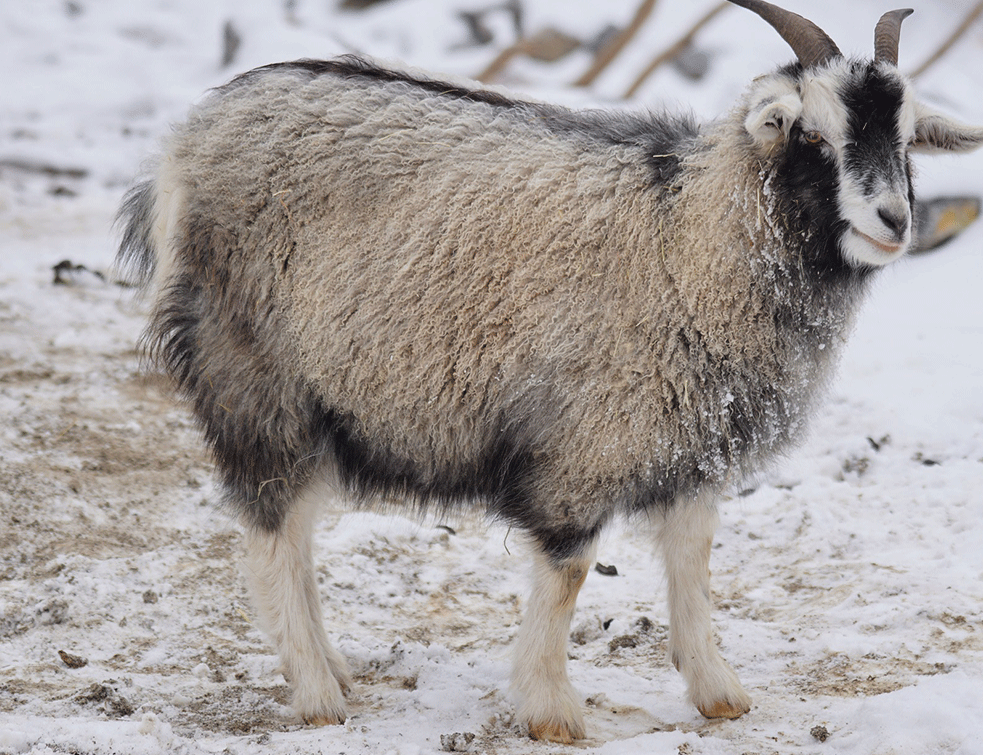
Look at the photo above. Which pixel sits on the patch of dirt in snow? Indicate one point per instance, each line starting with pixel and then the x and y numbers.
pixel 112 551
pixel 120 592
pixel 838 674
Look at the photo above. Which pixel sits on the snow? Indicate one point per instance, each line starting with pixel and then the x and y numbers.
pixel 848 583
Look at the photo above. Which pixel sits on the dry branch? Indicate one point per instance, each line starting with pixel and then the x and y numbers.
pixel 675 49
pixel 231 41
pixel 960 30
pixel 548 45
pixel 501 60
pixel 610 51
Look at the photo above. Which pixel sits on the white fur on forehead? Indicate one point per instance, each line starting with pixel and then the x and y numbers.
pixel 822 105
pixel 814 100
pixel 811 99
pixel 908 115
pixel 822 96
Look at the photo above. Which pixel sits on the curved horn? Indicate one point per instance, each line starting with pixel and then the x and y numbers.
pixel 886 35
pixel 811 44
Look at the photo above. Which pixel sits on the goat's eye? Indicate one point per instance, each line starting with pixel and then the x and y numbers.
pixel 813 137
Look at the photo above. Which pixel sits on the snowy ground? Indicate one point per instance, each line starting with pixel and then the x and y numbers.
pixel 848 583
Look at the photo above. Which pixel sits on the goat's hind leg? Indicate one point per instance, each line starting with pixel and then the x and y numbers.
pixel 686 536
pixel 547 701
pixel 280 573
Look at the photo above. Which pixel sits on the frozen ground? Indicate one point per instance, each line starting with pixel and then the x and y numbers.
pixel 848 583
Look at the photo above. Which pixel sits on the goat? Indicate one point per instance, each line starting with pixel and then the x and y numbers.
pixel 414 290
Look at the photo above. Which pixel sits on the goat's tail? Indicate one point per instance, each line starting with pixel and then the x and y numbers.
pixel 148 220
pixel 136 259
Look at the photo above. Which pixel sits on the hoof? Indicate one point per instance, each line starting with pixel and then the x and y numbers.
pixel 321 702
pixel 557 732
pixel 324 719
pixel 725 709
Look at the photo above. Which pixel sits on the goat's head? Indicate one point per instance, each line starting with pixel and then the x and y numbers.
pixel 843 130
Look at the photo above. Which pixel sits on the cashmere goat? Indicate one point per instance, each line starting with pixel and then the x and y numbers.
pixel 403 289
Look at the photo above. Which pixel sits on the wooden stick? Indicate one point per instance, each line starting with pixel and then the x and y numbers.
pixel 501 60
pixel 675 49
pixel 548 45
pixel 610 51
pixel 973 14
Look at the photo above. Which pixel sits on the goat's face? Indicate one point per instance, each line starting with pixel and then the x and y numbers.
pixel 845 131
pixel 841 132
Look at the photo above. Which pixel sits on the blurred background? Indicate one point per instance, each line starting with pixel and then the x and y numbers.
pixel 90 85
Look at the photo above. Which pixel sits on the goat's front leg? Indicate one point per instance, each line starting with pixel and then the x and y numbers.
pixel 546 699
pixel 685 537
pixel 280 573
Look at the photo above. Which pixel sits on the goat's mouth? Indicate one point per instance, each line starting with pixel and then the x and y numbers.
pixel 887 248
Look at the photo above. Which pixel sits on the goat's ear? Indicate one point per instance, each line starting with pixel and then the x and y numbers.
pixel 773 114
pixel 935 132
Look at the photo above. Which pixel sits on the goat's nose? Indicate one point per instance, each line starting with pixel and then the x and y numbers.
pixel 895 219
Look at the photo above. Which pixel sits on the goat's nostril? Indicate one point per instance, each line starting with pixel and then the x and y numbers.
pixel 896 221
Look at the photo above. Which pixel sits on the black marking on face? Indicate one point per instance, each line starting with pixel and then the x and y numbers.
pixel 873 154
pixel 808 185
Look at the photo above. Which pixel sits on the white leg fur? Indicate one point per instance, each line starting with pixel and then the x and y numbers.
pixel 546 700
pixel 685 537
pixel 280 572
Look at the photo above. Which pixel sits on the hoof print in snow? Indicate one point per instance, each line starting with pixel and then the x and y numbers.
pixel 106 697
pixel 456 742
